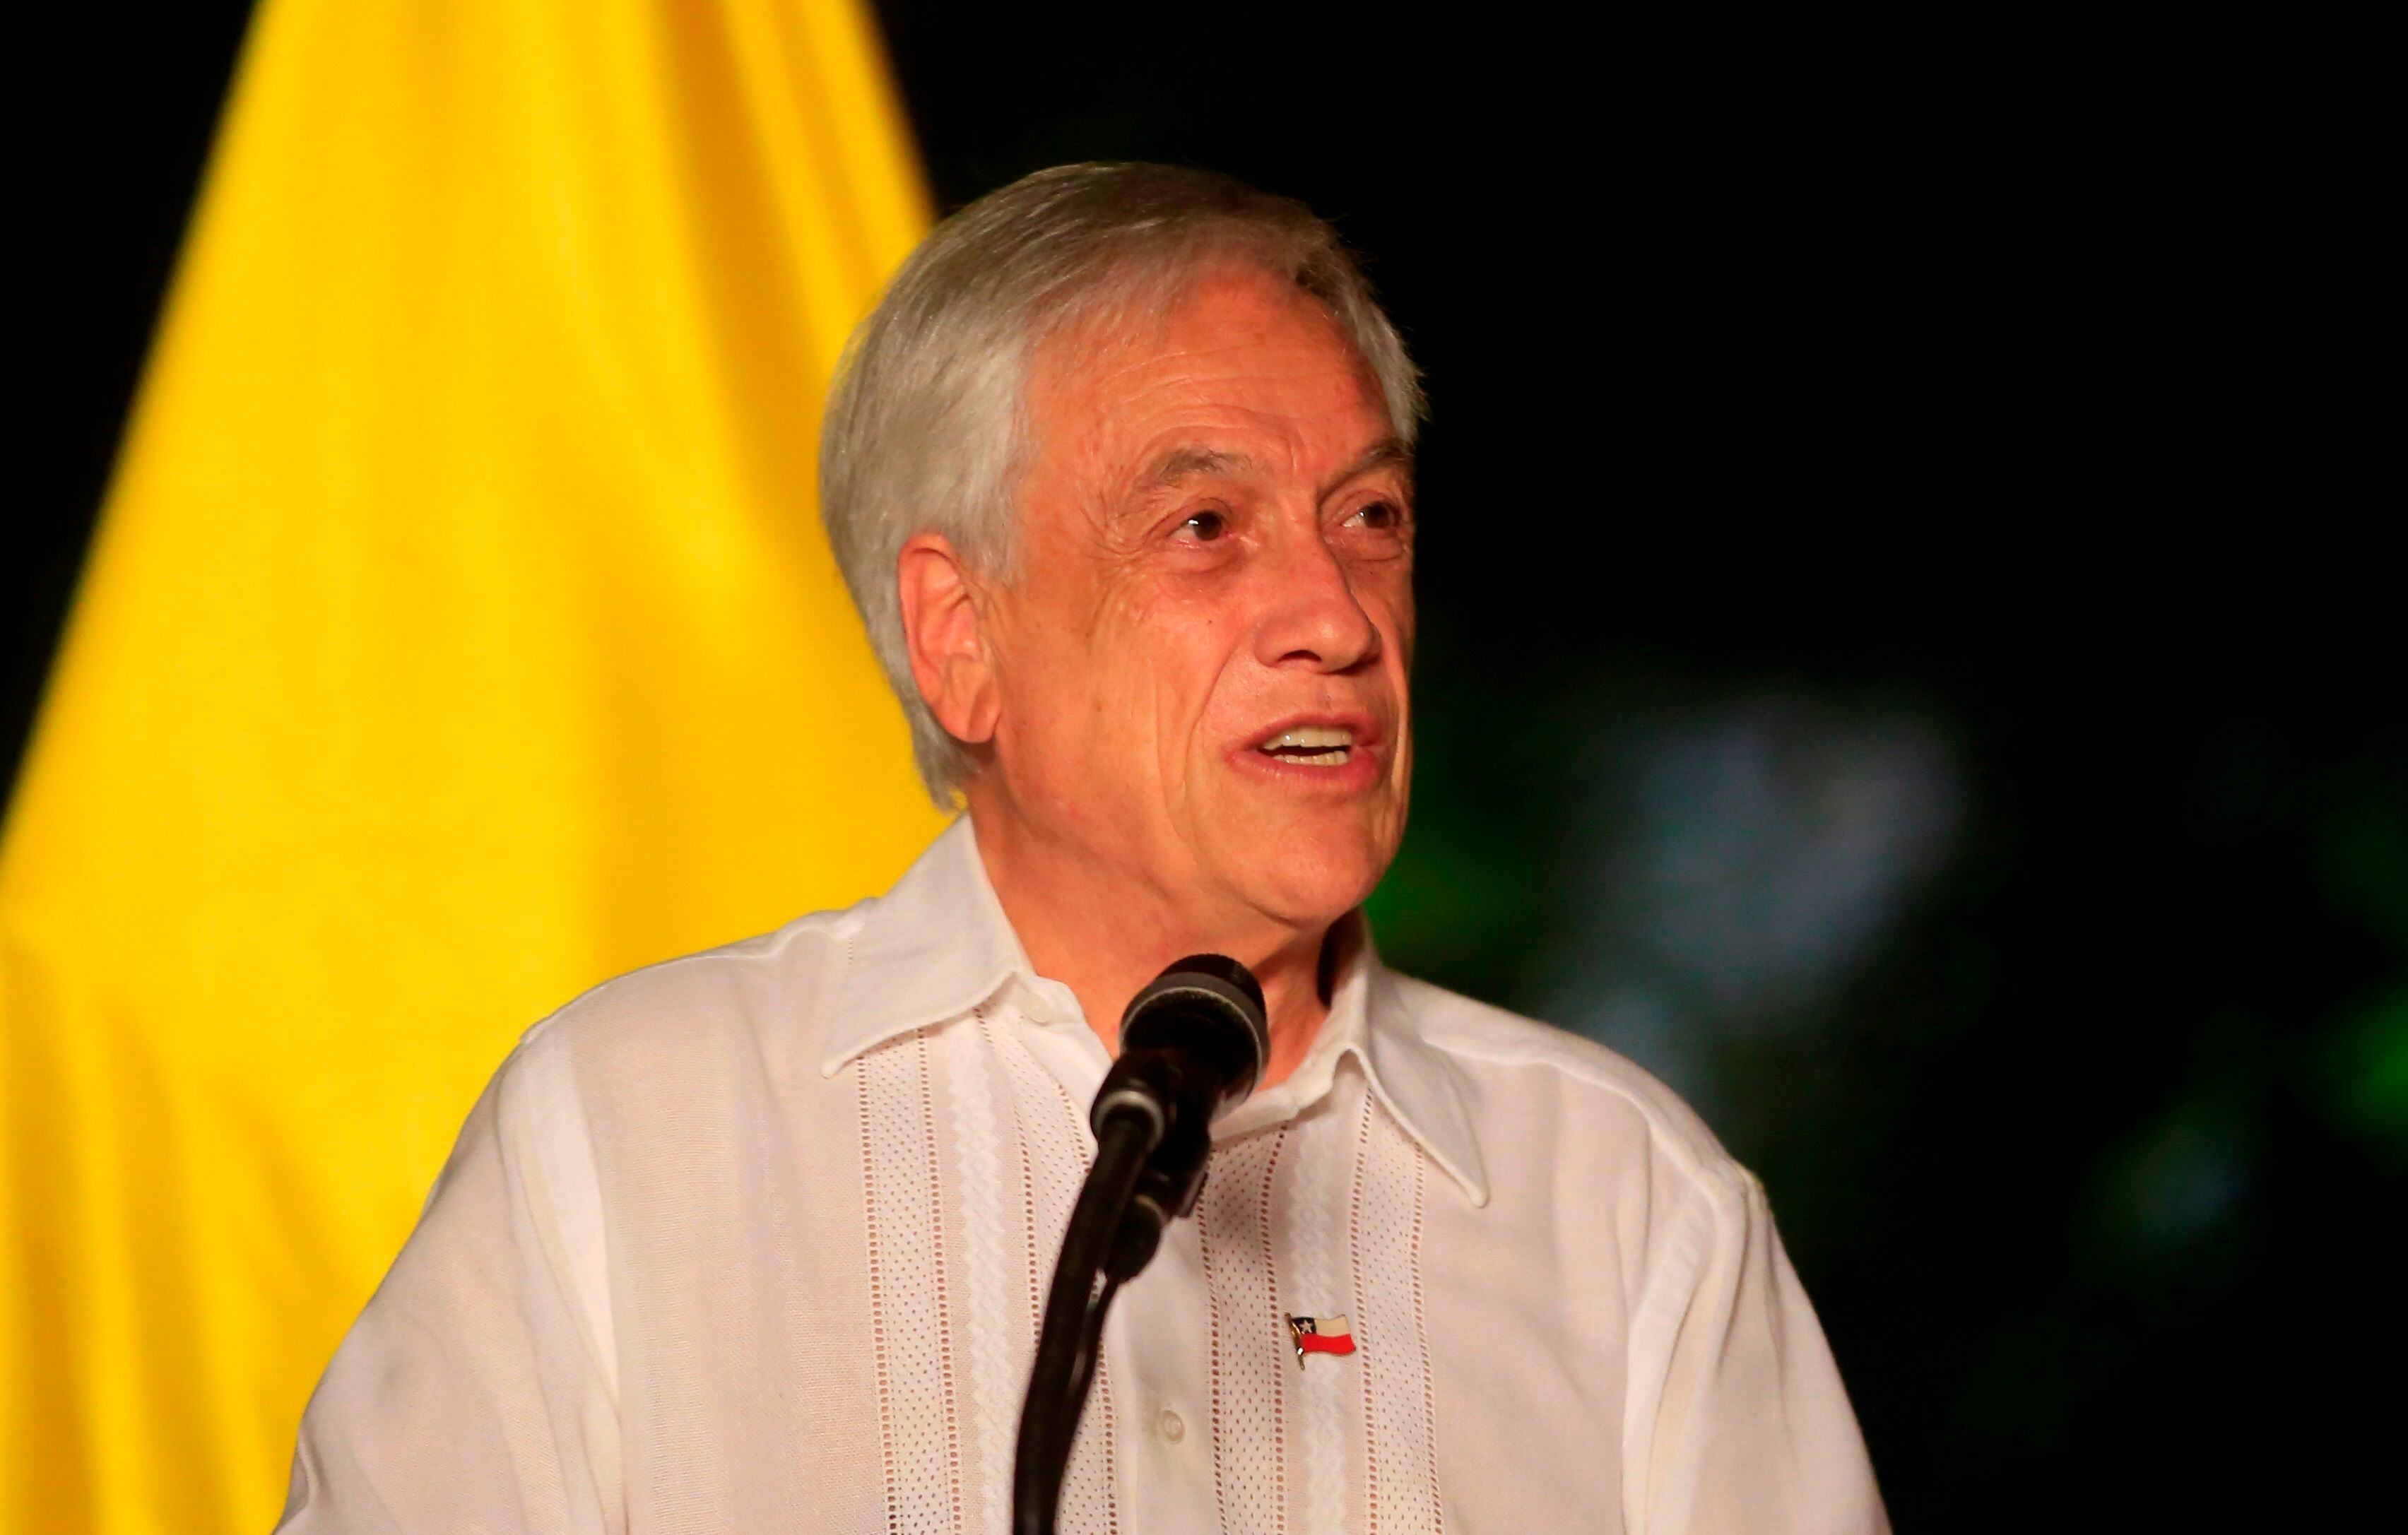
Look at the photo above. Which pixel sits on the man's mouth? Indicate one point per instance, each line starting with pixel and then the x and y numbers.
pixel 1312 745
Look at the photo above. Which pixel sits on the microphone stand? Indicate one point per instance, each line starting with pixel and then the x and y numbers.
pixel 1153 1140
pixel 1145 1174
pixel 1073 1329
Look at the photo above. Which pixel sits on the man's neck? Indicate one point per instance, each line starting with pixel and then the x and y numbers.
pixel 1105 936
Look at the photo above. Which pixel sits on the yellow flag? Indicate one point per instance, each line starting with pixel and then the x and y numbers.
pixel 459 633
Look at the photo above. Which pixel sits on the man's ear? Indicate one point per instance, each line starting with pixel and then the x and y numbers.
pixel 950 660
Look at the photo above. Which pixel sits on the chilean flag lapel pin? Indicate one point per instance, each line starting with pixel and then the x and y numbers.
pixel 1320 1335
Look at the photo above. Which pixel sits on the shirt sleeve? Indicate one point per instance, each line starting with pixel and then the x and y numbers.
pixel 1750 1433
pixel 472 1395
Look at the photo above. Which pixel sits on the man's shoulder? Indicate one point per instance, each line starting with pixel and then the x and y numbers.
pixel 778 979
pixel 1506 1057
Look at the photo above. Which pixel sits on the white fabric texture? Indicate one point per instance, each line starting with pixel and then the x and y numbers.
pixel 758 1240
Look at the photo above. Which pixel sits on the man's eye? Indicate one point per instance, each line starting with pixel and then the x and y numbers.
pixel 1379 514
pixel 1204 527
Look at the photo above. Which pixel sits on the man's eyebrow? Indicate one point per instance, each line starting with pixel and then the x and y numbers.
pixel 1387 453
pixel 1182 465
pixel 1185 464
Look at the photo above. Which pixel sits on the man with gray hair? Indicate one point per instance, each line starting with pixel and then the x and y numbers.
pixel 1119 473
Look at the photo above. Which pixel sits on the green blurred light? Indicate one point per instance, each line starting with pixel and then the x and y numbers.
pixel 2368 1074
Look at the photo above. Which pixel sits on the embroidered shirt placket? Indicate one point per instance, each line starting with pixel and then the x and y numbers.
pixel 1054 1136
pixel 907 1279
pixel 992 1325
pixel 1324 1145
pixel 1249 1345
pixel 1400 1448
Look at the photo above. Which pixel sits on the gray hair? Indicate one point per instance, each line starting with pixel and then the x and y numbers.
pixel 927 430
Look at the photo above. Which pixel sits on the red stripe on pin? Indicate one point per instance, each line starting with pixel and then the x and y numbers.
pixel 1320 1335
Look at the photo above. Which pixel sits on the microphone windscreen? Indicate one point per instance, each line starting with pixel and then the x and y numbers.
pixel 1209 1004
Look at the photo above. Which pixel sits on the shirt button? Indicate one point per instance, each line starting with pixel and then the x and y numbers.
pixel 1172 1427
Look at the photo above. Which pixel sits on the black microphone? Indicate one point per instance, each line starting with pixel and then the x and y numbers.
pixel 1193 1043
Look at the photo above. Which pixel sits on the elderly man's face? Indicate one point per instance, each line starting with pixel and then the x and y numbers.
pixel 1200 662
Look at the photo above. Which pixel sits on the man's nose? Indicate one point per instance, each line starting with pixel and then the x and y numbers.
pixel 1311 616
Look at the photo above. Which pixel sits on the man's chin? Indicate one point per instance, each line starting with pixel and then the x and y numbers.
pixel 1308 885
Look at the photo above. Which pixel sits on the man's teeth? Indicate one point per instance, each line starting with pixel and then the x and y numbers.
pixel 1313 746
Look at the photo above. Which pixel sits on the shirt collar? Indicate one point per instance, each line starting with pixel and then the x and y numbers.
pixel 931 950
pixel 938 944
pixel 1369 1020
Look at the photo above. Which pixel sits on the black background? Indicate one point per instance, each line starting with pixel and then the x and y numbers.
pixel 1995 374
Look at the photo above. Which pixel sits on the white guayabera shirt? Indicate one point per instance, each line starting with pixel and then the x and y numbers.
pixel 756 1240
